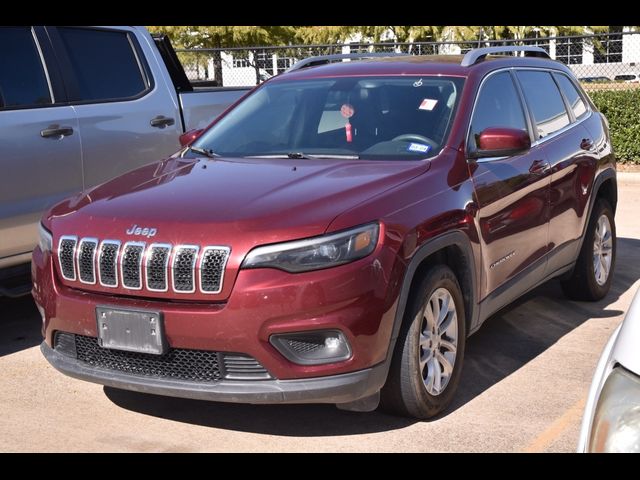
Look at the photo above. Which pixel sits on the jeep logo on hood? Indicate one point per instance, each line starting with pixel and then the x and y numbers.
pixel 143 232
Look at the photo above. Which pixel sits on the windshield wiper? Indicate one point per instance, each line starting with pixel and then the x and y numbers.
pixel 309 156
pixel 203 151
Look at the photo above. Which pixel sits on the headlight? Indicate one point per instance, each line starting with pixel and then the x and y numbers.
pixel 316 253
pixel 46 241
pixel 616 423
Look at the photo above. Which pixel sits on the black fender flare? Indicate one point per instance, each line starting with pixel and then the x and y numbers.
pixel 453 238
pixel 607 174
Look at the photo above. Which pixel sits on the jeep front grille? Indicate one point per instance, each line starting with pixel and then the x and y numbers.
pixel 108 264
pixel 66 257
pixel 184 263
pixel 212 265
pixel 86 260
pixel 157 267
pixel 131 265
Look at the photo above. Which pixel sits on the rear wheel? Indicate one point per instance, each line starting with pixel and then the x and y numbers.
pixel 427 362
pixel 593 272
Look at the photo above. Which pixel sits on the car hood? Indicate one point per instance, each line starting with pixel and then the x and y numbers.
pixel 231 197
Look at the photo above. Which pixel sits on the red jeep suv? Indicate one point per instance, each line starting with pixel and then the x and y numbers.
pixel 336 235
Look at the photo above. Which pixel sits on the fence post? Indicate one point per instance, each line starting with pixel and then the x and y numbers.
pixel 217 67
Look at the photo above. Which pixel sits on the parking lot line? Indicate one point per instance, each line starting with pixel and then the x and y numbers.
pixel 542 441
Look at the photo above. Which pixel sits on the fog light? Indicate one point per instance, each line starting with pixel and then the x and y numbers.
pixel 313 348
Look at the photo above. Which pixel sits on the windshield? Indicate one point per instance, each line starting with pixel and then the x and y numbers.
pixel 374 118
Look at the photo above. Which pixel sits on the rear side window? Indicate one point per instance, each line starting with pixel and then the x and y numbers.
pixel 104 64
pixel 22 78
pixel 545 101
pixel 571 94
pixel 498 105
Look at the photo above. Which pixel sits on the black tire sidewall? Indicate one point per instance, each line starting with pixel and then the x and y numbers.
pixel 599 291
pixel 426 405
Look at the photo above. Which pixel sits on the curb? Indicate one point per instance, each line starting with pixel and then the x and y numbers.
pixel 629 177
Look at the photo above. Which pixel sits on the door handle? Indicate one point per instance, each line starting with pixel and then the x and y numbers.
pixel 539 167
pixel 56 131
pixel 161 121
pixel 586 144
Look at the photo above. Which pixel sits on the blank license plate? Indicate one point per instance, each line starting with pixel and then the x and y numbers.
pixel 131 330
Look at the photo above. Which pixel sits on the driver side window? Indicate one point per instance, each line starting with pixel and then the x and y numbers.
pixel 498 105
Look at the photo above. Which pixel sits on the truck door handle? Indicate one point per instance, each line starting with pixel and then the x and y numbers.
pixel 539 167
pixel 56 131
pixel 586 144
pixel 161 121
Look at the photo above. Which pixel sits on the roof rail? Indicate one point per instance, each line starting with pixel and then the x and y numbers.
pixel 478 54
pixel 322 59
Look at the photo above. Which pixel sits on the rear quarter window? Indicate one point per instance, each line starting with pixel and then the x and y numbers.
pixel 544 101
pixel 571 94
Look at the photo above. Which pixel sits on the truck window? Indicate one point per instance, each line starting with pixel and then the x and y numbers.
pixel 22 78
pixel 104 63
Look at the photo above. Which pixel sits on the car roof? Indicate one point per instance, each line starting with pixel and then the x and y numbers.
pixel 417 65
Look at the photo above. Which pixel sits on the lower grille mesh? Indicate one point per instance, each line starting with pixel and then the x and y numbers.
pixel 177 363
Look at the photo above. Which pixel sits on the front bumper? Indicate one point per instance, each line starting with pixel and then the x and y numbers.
pixel 358 299
pixel 343 388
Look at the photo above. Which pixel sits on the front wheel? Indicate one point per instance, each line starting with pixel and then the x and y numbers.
pixel 593 272
pixel 427 362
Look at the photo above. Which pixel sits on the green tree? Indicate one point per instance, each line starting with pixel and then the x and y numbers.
pixel 224 36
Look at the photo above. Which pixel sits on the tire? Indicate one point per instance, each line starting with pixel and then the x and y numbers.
pixel 406 391
pixel 586 281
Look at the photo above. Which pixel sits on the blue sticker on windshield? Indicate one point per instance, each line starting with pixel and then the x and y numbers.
pixel 418 147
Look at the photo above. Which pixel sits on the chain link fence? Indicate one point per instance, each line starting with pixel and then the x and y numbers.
pixel 602 61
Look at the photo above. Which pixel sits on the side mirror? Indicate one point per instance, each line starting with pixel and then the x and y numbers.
pixel 501 142
pixel 190 136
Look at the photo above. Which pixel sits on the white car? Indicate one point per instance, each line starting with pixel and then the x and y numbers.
pixel 628 77
pixel 611 420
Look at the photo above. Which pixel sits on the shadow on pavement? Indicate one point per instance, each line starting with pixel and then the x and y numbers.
pixel 284 420
pixel 20 324
pixel 506 342
pixel 525 329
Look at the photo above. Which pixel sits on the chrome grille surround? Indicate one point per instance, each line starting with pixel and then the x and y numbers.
pixel 67 255
pixel 86 260
pixel 156 268
pixel 212 269
pixel 108 263
pixel 137 266
pixel 131 265
pixel 183 266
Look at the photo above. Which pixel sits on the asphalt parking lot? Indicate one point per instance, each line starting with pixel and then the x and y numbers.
pixel 524 386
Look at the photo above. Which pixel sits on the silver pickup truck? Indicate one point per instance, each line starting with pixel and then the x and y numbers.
pixel 78 106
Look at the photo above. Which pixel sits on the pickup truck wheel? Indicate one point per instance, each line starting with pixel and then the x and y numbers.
pixel 593 272
pixel 427 362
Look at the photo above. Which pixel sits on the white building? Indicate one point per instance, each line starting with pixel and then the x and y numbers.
pixel 614 55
